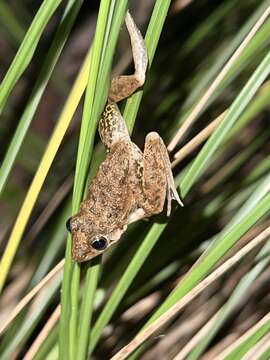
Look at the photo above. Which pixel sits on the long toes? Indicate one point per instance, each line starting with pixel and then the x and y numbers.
pixel 174 195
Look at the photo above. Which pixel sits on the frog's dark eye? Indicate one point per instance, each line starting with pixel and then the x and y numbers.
pixel 99 243
pixel 68 224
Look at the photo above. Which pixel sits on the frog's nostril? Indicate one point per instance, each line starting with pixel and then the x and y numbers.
pixel 100 243
pixel 68 224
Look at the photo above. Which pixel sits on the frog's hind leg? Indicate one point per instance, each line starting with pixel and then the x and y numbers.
pixel 125 85
pixel 158 182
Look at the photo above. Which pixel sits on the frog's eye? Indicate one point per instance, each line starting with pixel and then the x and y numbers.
pixel 68 224
pixel 99 243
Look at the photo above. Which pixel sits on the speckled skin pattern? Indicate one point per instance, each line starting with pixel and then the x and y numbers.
pixel 129 184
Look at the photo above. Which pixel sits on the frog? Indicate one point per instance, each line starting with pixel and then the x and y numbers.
pixel 129 185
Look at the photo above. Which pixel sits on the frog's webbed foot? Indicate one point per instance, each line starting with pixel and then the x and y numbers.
pixel 125 85
pixel 158 182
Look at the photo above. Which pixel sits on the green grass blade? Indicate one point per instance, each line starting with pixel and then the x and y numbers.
pixel 91 281
pixel 54 52
pixel 47 344
pixel 27 48
pixel 238 294
pixel 69 311
pixel 226 197
pixel 57 238
pixel 235 110
pixel 124 283
pixel 91 114
pixel 265 355
pixel 225 55
pixel 248 343
pixel 208 261
pixel 227 240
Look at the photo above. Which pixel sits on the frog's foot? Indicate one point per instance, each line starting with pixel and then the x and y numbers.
pixel 125 85
pixel 158 182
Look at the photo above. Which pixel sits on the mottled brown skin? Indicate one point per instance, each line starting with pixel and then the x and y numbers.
pixel 129 185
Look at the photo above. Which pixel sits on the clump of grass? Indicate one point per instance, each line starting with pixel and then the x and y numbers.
pixel 158 267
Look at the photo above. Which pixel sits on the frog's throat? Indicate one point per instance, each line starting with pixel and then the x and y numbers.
pixel 116 234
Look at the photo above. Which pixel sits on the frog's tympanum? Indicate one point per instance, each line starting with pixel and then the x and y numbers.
pixel 129 185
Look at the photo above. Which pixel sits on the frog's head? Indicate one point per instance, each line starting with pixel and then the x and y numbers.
pixel 112 127
pixel 88 241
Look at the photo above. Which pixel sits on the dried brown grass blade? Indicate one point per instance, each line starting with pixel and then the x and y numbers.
pixel 25 300
pixel 197 140
pixel 43 334
pixel 200 105
pixel 168 315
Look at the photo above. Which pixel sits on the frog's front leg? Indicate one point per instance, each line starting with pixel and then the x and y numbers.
pixel 125 85
pixel 157 182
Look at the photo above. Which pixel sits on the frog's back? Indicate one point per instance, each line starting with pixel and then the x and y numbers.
pixel 109 197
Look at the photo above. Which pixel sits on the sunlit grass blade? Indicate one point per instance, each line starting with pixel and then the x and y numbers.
pixel 250 210
pixel 215 85
pixel 27 48
pixel 91 112
pixel 42 171
pixel 262 188
pixel 48 349
pixel 265 355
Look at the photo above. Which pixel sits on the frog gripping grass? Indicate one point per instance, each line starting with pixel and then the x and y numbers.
pixel 130 184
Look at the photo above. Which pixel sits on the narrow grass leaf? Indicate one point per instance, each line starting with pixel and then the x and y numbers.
pixel 237 295
pixel 27 48
pixel 248 343
pixel 116 18
pixel 42 171
pixel 63 30
pixel 235 110
pixel 224 56
pixel 31 321
pixel 207 262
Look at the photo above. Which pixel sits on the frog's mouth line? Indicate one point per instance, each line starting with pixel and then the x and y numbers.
pixel 93 252
pixel 113 238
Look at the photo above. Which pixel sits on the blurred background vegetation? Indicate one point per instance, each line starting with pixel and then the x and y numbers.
pixel 224 181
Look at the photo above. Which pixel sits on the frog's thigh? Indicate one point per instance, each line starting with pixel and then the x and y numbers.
pixel 154 175
pixel 158 182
